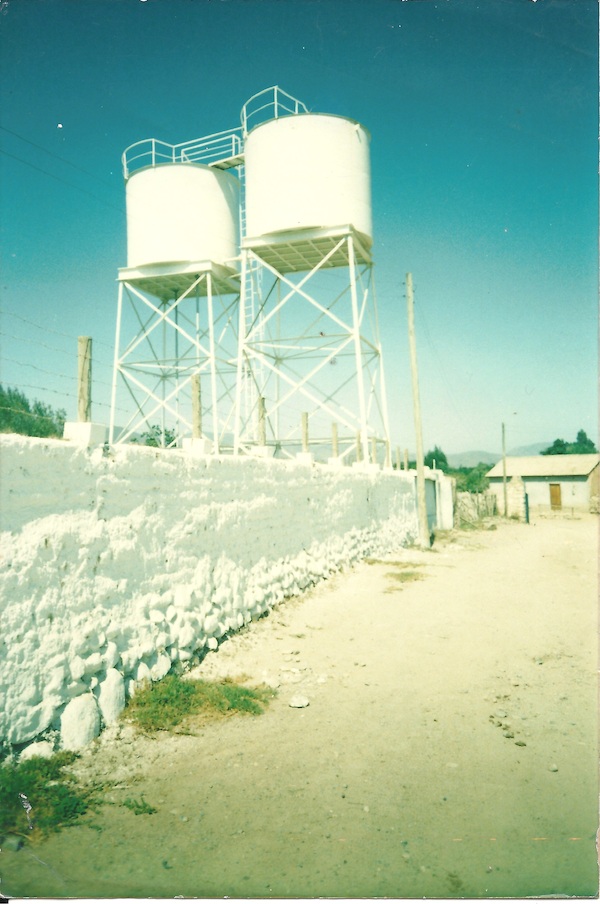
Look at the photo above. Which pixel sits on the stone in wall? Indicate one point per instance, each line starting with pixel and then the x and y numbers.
pixel 80 722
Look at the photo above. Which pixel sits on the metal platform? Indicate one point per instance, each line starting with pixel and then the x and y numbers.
pixel 168 281
pixel 297 250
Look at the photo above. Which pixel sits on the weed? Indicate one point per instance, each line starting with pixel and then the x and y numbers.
pixel 55 797
pixel 167 703
pixel 139 807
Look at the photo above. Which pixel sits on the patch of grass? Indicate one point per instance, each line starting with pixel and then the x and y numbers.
pixel 167 703
pixel 139 807
pixel 394 564
pixel 404 576
pixel 55 796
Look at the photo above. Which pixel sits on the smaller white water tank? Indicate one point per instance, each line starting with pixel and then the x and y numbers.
pixel 308 171
pixel 182 212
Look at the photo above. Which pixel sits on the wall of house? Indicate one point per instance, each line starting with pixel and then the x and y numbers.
pixel 575 492
pixel 117 565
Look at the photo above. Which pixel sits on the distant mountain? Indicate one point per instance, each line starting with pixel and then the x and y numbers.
pixel 534 449
pixel 470 459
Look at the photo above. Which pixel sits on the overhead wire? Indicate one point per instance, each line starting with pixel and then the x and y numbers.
pixel 56 156
pixel 68 395
pixel 43 417
pixel 48 329
pixel 41 370
pixel 59 179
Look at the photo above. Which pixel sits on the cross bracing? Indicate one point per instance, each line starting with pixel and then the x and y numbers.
pixel 171 341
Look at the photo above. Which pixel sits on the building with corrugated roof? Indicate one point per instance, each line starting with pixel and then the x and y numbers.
pixel 551 482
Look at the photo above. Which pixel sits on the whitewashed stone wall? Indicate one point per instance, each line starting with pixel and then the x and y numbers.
pixel 116 566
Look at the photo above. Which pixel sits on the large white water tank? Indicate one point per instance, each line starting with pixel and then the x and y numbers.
pixel 308 171
pixel 182 212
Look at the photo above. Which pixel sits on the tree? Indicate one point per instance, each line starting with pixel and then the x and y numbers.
pixel 558 447
pixel 19 415
pixel 583 445
pixel 472 480
pixel 154 436
pixel 438 457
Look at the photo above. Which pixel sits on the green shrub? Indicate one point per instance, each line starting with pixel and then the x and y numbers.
pixel 19 415
pixel 56 798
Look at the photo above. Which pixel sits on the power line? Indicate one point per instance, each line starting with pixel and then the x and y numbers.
pixel 63 181
pixel 53 373
pixel 43 417
pixel 41 370
pixel 51 348
pixel 66 395
pixel 56 156
pixel 58 392
pixel 48 329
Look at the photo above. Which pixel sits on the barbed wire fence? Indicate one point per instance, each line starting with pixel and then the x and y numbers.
pixel 24 348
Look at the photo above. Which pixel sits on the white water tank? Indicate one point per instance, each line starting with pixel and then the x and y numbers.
pixel 308 171
pixel 182 212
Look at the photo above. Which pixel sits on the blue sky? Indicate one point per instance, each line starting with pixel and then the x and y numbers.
pixel 484 160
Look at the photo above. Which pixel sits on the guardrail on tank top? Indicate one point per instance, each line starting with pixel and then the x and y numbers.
pixel 272 103
pixel 210 150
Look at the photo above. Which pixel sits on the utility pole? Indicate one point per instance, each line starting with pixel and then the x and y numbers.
pixel 421 501
pixel 504 470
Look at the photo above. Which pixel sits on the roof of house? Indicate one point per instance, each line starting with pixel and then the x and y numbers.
pixel 547 466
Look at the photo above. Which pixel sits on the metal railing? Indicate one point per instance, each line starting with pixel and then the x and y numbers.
pixel 272 103
pixel 209 150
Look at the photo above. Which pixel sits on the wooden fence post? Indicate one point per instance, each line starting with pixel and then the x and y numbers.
pixel 305 431
pixel 262 422
pixel 196 406
pixel 84 379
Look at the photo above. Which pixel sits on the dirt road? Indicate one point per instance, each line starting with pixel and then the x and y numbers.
pixel 448 749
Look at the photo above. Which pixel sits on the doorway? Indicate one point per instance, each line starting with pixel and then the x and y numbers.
pixel 555 497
